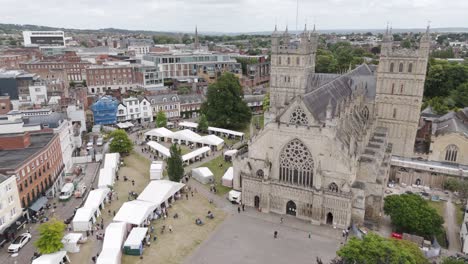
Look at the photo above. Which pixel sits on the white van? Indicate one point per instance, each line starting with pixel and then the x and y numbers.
pixel 67 191
pixel 100 141
pixel 234 196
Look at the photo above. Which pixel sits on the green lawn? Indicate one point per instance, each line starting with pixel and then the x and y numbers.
pixel 460 213
pixel 439 206
pixel 218 173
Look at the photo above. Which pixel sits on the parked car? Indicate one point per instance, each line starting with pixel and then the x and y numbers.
pixel 89 145
pixel 19 243
pixel 100 141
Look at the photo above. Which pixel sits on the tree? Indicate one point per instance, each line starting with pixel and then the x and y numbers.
pixel 266 102
pixel 120 142
pixel 451 260
pixel 406 44
pixel 412 214
pixel 224 106
pixel 161 119
pixel 50 237
pixel 183 90
pixel 376 249
pixel 203 124
pixel 175 168
pixel 460 95
pixel 376 50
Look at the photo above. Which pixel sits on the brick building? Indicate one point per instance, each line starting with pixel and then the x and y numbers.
pixel 36 161
pixel 5 105
pixel 117 77
pixel 75 70
pixel 12 61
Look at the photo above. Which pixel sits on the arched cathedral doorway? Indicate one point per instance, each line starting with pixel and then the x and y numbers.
pixel 257 202
pixel 418 181
pixel 330 219
pixel 291 208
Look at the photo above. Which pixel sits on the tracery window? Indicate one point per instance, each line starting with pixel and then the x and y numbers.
pixel 391 67
pixel 289 60
pixel 410 67
pixel 260 173
pixel 333 187
pixel 296 164
pixel 400 68
pixel 298 117
pixel 365 113
pixel 451 153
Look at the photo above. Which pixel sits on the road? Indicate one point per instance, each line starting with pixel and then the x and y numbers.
pixel 453 230
pixel 62 212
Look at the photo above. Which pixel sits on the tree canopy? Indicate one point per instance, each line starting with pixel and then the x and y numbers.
pixel 378 250
pixel 50 237
pixel 339 57
pixel 161 119
pixel 175 168
pixel 203 124
pixel 120 142
pixel 224 106
pixel 266 102
pixel 412 214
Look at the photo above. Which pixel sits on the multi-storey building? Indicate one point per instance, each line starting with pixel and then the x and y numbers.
pixel 75 70
pixel 105 111
pixel 149 78
pixel 203 64
pixel 190 105
pixel 135 109
pixel 35 159
pixel 44 39
pixel 103 78
pixel 12 61
pixel 15 83
pixel 168 103
pixel 10 206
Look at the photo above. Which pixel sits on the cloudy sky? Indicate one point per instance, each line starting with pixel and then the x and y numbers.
pixel 234 15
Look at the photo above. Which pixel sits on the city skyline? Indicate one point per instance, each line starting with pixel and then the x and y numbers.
pixel 239 16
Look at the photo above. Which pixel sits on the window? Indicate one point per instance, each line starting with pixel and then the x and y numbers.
pixel 10 199
pixel 13 212
pixel 391 67
pixel 401 89
pixel 289 61
pixel 298 117
pixel 260 173
pixel 279 60
pixel 393 88
pixel 297 61
pixel 296 164
pixel 410 67
pixel 451 153
pixel 400 68
pixel 394 112
pixel 365 113
pixel 333 187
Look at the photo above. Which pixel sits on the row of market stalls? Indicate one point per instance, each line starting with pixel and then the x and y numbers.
pixel 124 125
pixel 185 137
pixel 86 216
pixel 194 156
pixel 227 133
pixel 131 219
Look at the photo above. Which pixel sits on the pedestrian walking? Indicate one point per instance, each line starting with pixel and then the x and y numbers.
pixel 309 235
pixel 238 210
pixel 102 226
pixel 170 229
pixel 92 231
pixel 186 196
pixel 109 212
pixel 281 220
pixel 133 182
pixel 243 207
pixel 93 259
pixel 113 212
pixel 275 234
pixel 192 193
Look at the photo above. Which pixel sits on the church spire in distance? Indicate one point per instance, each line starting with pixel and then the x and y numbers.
pixel 197 44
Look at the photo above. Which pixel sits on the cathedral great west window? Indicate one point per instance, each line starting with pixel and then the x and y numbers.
pixel 296 164
pixel 298 117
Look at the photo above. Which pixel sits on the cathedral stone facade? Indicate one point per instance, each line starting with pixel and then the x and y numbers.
pixel 324 153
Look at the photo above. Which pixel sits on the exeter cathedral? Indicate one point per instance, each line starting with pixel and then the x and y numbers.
pixel 324 153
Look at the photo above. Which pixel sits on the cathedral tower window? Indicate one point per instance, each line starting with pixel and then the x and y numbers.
pixel 289 61
pixel 394 112
pixel 297 61
pixel 365 113
pixel 451 153
pixel 400 68
pixel 279 60
pixel 296 164
pixel 401 89
pixel 298 117
pixel 393 88
pixel 333 187
pixel 410 67
pixel 391 67
pixel 260 173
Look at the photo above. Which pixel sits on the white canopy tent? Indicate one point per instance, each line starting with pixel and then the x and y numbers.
pixel 106 177
pixel 228 177
pixel 135 212
pixel 158 192
pixel 112 160
pixel 225 132
pixel 196 154
pixel 54 258
pixel 188 125
pixel 114 236
pixel 213 140
pixel 135 239
pixel 159 134
pixel 122 125
pixel 159 148
pixel 229 154
pixel 83 219
pixel 70 242
pixel 109 256
pixel 203 175
pixel 96 199
pixel 156 170
pixel 186 136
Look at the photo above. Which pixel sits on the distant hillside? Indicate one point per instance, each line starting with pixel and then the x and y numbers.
pixel 17 28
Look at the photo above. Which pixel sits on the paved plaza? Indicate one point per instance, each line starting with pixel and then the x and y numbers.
pixel 246 239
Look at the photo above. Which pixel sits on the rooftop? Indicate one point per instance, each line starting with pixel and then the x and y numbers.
pixel 10 159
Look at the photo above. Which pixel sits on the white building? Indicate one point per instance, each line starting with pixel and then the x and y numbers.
pixel 10 206
pixel 65 131
pixel 135 109
pixel 38 93
pixel 44 39
pixel 139 49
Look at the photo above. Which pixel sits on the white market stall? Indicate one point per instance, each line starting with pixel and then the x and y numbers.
pixel 160 150
pixel 203 175
pixel 188 125
pixel 156 170
pixel 135 212
pixel 225 132
pixel 112 160
pixel 106 177
pixel 214 141
pixel 186 137
pixel 134 243
pixel 196 155
pixel 229 154
pixel 159 192
pixel 83 219
pixel 96 200
pixel 70 242
pixel 109 256
pixel 54 258
pixel 114 236
pixel 160 134
pixel 228 177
